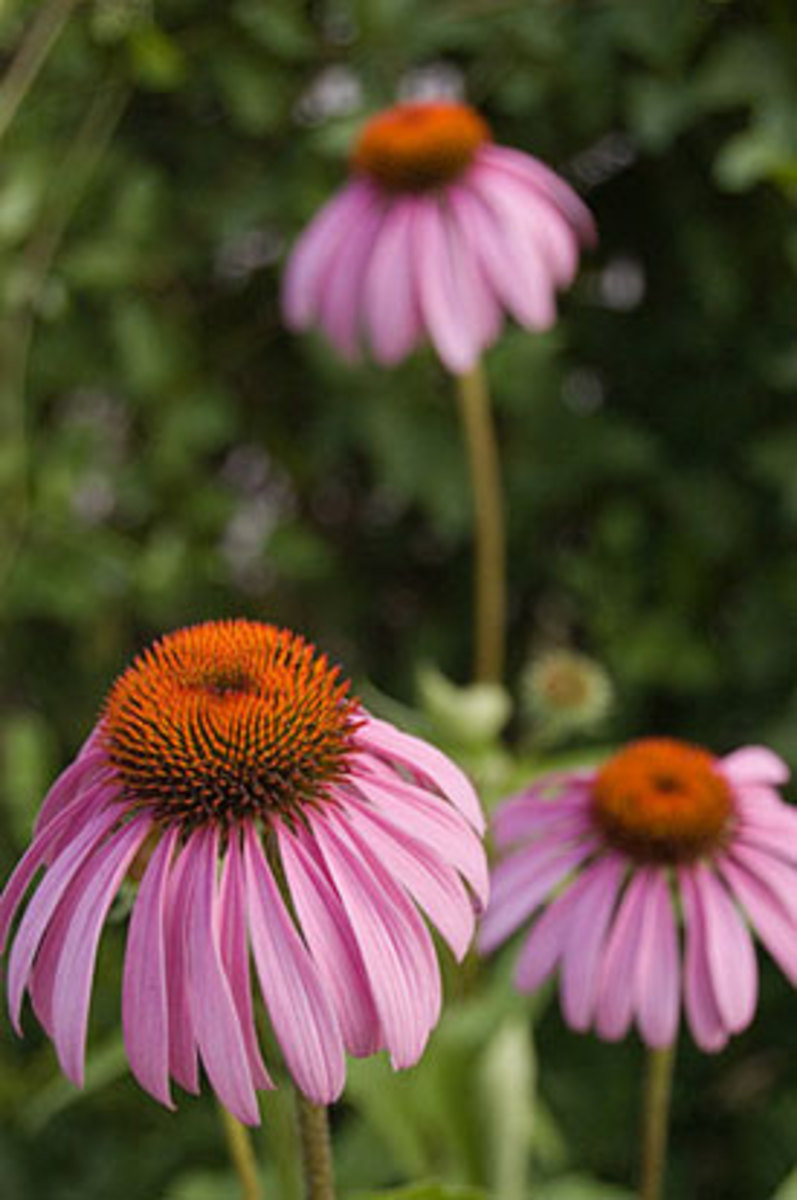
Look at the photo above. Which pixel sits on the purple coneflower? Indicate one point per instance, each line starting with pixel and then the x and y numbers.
pixel 438 233
pixel 662 835
pixel 264 811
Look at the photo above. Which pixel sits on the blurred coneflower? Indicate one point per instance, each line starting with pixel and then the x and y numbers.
pixel 438 233
pixel 263 810
pixel 663 835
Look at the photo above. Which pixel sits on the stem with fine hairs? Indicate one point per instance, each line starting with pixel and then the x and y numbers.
pixel 655 1118
pixel 319 1181
pixel 488 511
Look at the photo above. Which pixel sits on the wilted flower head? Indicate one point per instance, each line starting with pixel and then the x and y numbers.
pixel 663 835
pixel 264 810
pixel 437 234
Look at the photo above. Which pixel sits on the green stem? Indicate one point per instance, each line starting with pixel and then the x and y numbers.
pixel 31 57
pixel 656 1113
pixel 490 561
pixel 319 1182
pixel 242 1155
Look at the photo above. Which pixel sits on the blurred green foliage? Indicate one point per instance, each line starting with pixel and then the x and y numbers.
pixel 168 453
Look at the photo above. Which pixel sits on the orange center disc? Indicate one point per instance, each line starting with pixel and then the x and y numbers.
pixel 662 801
pixel 228 720
pixel 413 147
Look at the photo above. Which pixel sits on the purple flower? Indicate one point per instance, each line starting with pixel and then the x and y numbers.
pixel 264 811
pixel 438 233
pixel 663 835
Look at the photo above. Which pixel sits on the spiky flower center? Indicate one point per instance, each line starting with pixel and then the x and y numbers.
pixel 226 721
pixel 414 147
pixel 660 800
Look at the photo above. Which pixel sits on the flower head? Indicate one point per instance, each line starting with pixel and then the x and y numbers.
pixel 662 835
pixel 565 692
pixel 437 234
pixel 267 815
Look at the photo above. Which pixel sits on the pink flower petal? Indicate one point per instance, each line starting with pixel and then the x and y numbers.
pixel 657 980
pixel 616 993
pixel 544 945
pixel 412 810
pixel 730 953
pixel 422 759
pixel 145 1006
pixel 183 1054
pixel 533 226
pixel 390 305
pixel 433 885
pixel 44 904
pixel 769 906
pixel 530 815
pixel 341 304
pixel 395 946
pixel 331 943
pixel 75 973
pixel 308 265
pixel 582 953
pixel 521 883
pixel 753 764
pixel 301 1012
pixel 90 767
pixel 702 1011
pixel 447 288
pixel 547 182
pixel 235 956
pixel 213 1013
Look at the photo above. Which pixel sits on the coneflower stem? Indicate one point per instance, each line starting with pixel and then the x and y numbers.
pixel 319 1180
pixel 656 1116
pixel 242 1155
pixel 488 510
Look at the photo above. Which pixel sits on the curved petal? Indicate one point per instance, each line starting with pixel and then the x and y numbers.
pixel 768 905
pixel 308 264
pixel 532 225
pixel 731 957
pixel 616 996
pixel 548 184
pixel 548 938
pixel 183 1054
pixel 702 1011
pixel 753 764
pixel 657 981
pixel 586 936
pixel 521 884
pixel 341 308
pixel 44 903
pixel 213 1012
pixel 145 1005
pixel 447 288
pixel 331 943
pixel 75 973
pixel 412 810
pixel 535 812
pixel 235 955
pixel 390 305
pixel 425 761
pixel 90 767
pixel 395 946
pixel 301 1012
pixel 432 884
